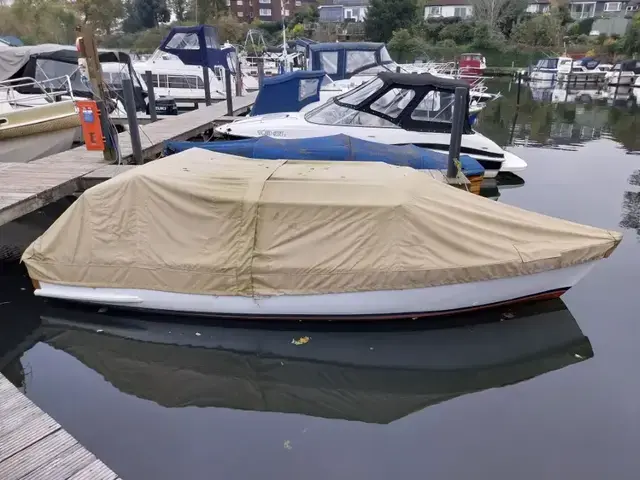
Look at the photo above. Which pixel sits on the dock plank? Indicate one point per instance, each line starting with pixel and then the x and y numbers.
pixel 33 446
pixel 26 187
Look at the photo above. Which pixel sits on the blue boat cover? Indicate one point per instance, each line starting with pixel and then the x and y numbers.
pixel 289 92
pixel 197 45
pixel 336 148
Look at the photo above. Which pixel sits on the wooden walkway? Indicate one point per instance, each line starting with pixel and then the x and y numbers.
pixel 33 446
pixel 26 187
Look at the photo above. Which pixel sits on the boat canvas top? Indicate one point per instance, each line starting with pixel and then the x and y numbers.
pixel 343 60
pixel 414 102
pixel 334 148
pixel 248 227
pixel 627 66
pixel 48 64
pixel 288 92
pixel 198 45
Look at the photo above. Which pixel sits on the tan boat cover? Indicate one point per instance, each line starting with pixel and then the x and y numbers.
pixel 209 223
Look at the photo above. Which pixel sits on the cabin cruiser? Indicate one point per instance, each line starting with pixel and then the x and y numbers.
pixel 388 242
pixel 177 66
pixel 392 108
pixel 473 64
pixel 623 73
pixel 585 69
pixel 547 68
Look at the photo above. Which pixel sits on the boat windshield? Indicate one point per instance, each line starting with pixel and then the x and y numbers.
pixel 361 93
pixel 333 114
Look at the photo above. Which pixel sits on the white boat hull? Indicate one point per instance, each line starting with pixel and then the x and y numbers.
pixel 31 147
pixel 374 304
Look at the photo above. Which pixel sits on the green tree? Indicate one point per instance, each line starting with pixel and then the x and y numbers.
pixel 631 40
pixel 102 15
pixel 141 14
pixel 386 16
pixel 179 8
pixel 404 46
pixel 539 31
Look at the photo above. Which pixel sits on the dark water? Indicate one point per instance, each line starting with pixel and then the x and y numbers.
pixel 544 391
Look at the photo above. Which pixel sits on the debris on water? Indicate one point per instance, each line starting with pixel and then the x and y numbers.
pixel 282 363
pixel 23 289
pixel 578 356
pixel 287 445
pixel 508 315
pixel 301 340
pixel 371 348
pixel 5 303
pixel 198 334
pixel 99 330
pixel 102 310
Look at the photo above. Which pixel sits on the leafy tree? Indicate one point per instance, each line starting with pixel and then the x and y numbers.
pixel 100 14
pixel 461 32
pixel 39 21
pixel 539 31
pixel 404 46
pixel 631 40
pixel 141 14
pixel 497 13
pixel 229 28
pixel 179 8
pixel 386 16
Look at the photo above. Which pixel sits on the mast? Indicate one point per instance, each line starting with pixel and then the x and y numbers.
pixel 285 58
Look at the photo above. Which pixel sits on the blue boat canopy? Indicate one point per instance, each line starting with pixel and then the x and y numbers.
pixel 334 148
pixel 343 60
pixel 288 92
pixel 198 45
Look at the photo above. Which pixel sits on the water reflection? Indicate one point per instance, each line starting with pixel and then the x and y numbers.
pixel 631 206
pixel 349 374
pixel 552 116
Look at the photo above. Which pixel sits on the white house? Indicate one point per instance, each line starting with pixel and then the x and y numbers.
pixel 448 8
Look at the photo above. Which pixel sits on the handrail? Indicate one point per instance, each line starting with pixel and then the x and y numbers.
pixel 46 93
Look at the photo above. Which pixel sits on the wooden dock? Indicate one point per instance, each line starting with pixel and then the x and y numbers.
pixel 26 187
pixel 33 446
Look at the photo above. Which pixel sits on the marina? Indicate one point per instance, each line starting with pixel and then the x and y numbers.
pixel 358 259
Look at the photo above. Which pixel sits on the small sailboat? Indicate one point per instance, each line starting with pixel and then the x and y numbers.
pixel 206 233
pixel 391 108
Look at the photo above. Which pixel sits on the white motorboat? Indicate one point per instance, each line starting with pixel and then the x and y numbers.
pixel 623 73
pixel 546 70
pixel 583 70
pixel 202 232
pixel 392 108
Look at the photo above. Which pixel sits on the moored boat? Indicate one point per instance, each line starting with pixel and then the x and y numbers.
pixel 392 108
pixel 206 233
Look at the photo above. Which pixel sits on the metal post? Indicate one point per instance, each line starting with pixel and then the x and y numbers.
pixel 148 78
pixel 519 86
pixel 130 105
pixel 207 85
pixel 228 92
pixel 260 64
pixel 460 108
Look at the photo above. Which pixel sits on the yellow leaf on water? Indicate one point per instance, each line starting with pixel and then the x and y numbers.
pixel 301 340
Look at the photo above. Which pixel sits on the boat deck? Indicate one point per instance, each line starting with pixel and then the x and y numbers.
pixel 26 187
pixel 33 446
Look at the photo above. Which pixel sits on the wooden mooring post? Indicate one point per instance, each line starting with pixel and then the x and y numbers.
pixel 132 120
pixel 228 91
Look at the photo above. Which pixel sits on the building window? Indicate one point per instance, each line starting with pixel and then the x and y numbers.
pixel 545 9
pixel 240 14
pixel 298 3
pixel 348 13
pixel 583 10
pixel 238 2
pixel 228 3
pixel 435 11
pixel 286 13
pixel 460 12
pixel 265 12
pixel 264 1
pixel 613 6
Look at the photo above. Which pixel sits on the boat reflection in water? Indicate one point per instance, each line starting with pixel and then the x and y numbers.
pixel 346 373
pixel 492 187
